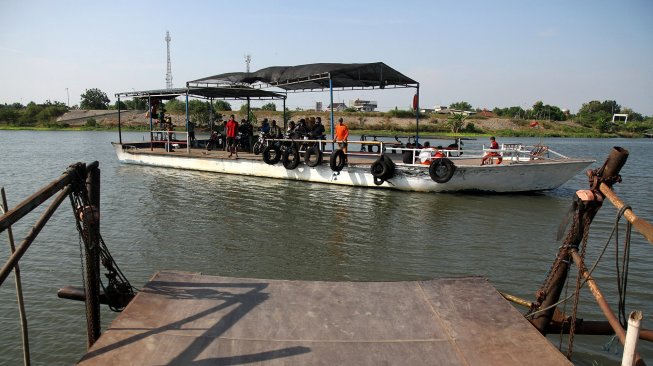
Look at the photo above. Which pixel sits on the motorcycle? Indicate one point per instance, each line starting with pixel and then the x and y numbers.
pixel 215 141
pixel 260 143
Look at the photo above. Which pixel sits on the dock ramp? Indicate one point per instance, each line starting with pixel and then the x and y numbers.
pixel 182 318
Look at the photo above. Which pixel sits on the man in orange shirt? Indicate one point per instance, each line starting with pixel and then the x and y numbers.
pixel 341 135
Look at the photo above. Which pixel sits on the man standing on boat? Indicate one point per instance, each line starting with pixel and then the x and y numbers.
pixel 232 129
pixel 341 136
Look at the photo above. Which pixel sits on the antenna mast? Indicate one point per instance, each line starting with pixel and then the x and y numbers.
pixel 248 59
pixel 169 71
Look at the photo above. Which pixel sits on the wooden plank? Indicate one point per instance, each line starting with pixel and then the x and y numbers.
pixel 181 318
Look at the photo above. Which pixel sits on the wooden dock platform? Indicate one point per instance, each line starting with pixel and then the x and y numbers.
pixel 182 318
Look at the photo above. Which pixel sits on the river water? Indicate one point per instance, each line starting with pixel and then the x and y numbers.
pixel 155 218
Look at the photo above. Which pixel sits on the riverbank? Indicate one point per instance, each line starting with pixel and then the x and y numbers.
pixel 374 124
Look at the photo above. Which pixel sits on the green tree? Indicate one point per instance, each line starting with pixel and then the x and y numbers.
pixel 510 112
pixel 8 114
pixel 269 107
pixel 136 104
pixel 464 106
pixel 222 105
pixel 632 115
pixel 547 112
pixel 119 105
pixel 199 112
pixel 594 106
pixel 177 107
pixel 456 122
pixel 94 99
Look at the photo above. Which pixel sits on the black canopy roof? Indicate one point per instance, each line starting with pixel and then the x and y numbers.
pixel 317 77
pixel 206 92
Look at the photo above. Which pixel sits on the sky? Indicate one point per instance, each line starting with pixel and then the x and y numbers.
pixel 488 53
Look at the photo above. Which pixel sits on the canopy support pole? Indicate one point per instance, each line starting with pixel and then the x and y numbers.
pixel 187 123
pixel 285 119
pixel 119 129
pixel 210 115
pixel 333 146
pixel 149 105
pixel 248 110
pixel 417 117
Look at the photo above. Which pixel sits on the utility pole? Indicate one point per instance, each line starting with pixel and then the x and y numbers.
pixel 68 97
pixel 169 71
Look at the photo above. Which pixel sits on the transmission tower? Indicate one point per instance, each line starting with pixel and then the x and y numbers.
pixel 248 59
pixel 169 71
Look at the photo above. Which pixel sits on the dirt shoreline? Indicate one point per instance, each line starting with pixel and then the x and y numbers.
pixel 109 118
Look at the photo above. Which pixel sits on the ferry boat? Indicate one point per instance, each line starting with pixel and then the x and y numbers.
pixel 512 168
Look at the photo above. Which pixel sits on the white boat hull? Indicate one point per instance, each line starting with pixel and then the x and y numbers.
pixel 507 177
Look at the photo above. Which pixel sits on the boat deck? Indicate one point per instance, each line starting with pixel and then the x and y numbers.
pixel 182 318
pixel 354 157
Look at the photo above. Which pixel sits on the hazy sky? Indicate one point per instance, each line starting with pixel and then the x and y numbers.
pixel 488 53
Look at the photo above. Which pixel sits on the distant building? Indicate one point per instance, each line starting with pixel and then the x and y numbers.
pixel 337 107
pixel 363 105
pixel 618 116
pixel 445 110
pixel 318 106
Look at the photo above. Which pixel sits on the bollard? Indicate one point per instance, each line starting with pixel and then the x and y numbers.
pixel 632 334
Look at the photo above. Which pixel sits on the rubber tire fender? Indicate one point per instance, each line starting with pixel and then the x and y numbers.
pixel 441 170
pixel 390 171
pixel 337 160
pixel 266 154
pixel 378 169
pixel 287 162
pixel 314 150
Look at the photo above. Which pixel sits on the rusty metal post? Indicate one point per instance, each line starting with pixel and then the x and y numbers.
pixel 541 320
pixel 92 270
pixel 587 203
pixel 603 304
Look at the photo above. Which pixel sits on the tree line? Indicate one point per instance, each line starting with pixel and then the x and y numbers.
pixel 593 114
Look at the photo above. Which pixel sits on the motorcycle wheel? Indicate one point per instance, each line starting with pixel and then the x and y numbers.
pixel 257 148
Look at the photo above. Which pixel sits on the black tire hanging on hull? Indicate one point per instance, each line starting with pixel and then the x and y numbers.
pixel 290 158
pixel 271 154
pixel 441 170
pixel 337 160
pixel 308 156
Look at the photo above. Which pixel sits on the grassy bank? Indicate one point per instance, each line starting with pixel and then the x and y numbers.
pixel 370 124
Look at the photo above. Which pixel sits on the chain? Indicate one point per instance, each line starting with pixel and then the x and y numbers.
pixel 118 291
pixel 581 268
pixel 563 253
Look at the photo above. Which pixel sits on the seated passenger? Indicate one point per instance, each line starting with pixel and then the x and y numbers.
pixel 494 146
pixel 426 154
pixel 265 126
